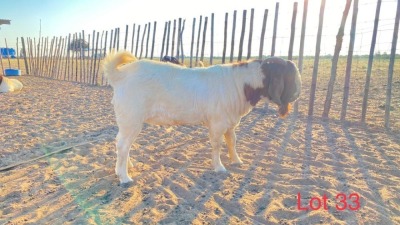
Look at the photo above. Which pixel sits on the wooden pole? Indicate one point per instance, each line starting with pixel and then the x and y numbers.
pixel 370 62
pixel 173 39
pixel 391 67
pixel 168 35
pixel 275 29
pixel 301 53
pixel 198 42
pixel 83 56
pixel 18 55
pixel 133 37
pixel 142 42
pixel 293 30
pixel 154 39
pixel 68 54
pixel 8 54
pixel 225 38
pixel 349 62
pixel 105 50
pixel 179 38
pixel 204 39
pixel 147 39
pixel 242 36
pixel 212 39
pixel 163 40
pixel 335 60
pixel 316 59
pixel 250 34
pixel 126 36
pixel 94 82
pixel 111 40
pixel 233 36
pixel 25 55
pixel 181 45
pixel 264 25
pixel 118 33
pixel 137 41
pixel 192 42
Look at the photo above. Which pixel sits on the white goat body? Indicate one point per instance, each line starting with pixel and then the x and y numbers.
pixel 166 94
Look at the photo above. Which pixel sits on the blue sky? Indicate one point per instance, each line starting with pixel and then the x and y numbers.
pixel 61 17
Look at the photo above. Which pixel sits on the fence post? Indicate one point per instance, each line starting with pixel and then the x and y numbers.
pixel 225 38
pixel 192 42
pixel 126 36
pixel 137 41
pixel 168 35
pixel 301 53
pixel 212 39
pixel 242 36
pixel 335 59
pixel 316 59
pixel 204 39
pixel 173 39
pixel 25 57
pixel 349 62
pixel 178 44
pixel 391 65
pixel 233 37
pixel 250 34
pixel 198 41
pixel 264 25
pixel 18 55
pixel 163 40
pixel 154 39
pixel 293 30
pixel 147 39
pixel 142 42
pixel 181 45
pixel 370 61
pixel 133 37
pixel 275 29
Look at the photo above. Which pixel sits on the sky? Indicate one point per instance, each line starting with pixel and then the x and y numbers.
pixel 48 18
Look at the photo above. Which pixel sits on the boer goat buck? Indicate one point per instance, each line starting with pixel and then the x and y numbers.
pixel 218 97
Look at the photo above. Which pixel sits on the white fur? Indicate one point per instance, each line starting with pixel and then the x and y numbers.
pixel 9 85
pixel 166 94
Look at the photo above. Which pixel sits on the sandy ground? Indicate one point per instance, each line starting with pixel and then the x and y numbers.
pixel 173 179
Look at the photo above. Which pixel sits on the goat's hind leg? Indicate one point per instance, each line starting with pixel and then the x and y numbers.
pixel 230 139
pixel 125 137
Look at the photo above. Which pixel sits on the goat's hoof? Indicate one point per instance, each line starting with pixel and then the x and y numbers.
pixel 237 162
pixel 126 181
pixel 220 169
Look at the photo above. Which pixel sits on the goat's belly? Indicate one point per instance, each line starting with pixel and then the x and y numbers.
pixel 173 118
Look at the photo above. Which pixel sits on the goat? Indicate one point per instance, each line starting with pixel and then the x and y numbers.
pixel 171 59
pixel 8 85
pixel 217 97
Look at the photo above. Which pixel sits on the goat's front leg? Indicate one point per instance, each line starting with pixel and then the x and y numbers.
pixel 230 139
pixel 216 143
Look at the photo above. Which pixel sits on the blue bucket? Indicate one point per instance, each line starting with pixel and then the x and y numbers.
pixel 12 72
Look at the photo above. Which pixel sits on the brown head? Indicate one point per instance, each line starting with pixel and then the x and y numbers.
pixel 282 81
pixel 281 84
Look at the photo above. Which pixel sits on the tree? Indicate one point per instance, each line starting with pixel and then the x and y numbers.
pixel 78 45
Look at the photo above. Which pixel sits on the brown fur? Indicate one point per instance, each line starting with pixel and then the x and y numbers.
pixel 1 78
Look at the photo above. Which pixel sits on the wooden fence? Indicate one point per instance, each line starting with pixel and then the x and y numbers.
pixel 56 58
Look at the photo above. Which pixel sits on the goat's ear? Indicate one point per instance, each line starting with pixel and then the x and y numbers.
pixel 276 87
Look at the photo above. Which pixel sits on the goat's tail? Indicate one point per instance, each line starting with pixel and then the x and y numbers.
pixel 113 61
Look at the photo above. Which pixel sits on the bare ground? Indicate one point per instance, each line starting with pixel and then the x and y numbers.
pixel 173 179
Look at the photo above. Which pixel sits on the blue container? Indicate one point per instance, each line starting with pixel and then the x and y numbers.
pixel 12 72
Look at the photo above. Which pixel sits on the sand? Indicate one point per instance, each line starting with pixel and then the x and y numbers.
pixel 173 179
